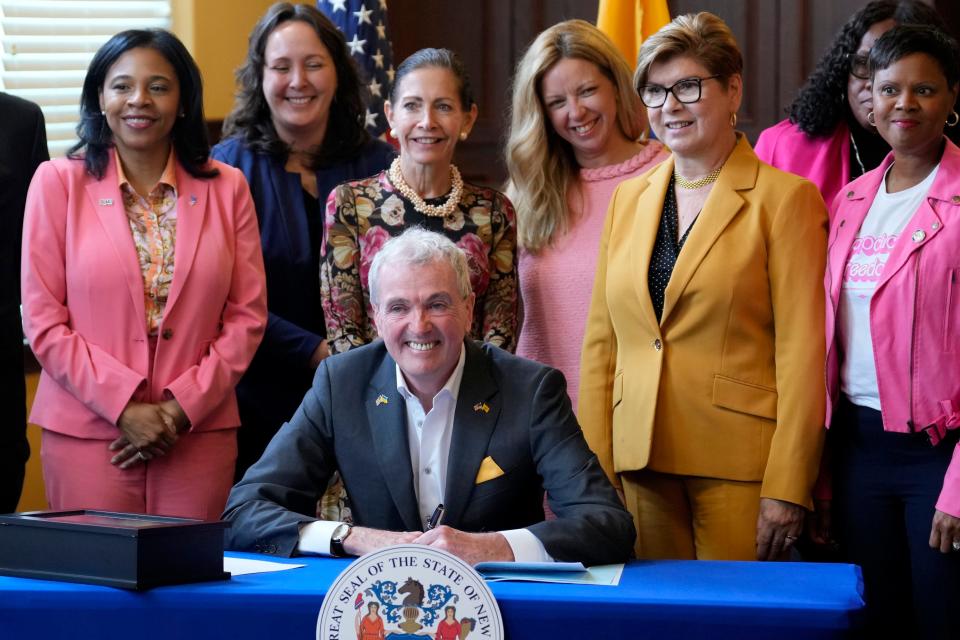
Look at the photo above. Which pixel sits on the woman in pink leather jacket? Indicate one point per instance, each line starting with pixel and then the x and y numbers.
pixel 893 342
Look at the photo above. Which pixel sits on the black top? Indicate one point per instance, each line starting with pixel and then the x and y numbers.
pixel 666 249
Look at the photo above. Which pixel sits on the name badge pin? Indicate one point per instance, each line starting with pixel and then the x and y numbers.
pixel 382 399
pixel 106 202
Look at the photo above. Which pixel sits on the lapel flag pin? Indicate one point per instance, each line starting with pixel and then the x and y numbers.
pixel 193 199
pixel 106 202
pixel 382 399
pixel 482 406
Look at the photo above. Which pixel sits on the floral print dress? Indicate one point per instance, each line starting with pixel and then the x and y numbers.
pixel 362 215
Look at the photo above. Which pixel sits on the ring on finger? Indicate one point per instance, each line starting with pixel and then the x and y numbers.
pixel 141 455
pixel 791 538
pixel 956 545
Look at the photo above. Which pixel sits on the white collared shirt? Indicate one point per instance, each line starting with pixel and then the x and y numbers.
pixel 428 435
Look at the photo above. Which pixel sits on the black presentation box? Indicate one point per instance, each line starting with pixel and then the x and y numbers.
pixel 127 550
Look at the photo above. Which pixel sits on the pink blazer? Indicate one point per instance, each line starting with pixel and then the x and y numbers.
pixel 83 307
pixel 823 161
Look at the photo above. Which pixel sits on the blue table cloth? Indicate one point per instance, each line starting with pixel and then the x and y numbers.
pixel 662 599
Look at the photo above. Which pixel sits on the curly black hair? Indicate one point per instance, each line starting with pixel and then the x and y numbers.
pixel 822 102
pixel 250 119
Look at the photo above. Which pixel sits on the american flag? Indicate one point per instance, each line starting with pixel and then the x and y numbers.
pixel 368 41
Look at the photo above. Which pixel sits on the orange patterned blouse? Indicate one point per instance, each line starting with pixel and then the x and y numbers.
pixel 153 222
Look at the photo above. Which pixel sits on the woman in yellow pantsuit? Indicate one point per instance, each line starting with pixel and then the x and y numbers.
pixel 702 370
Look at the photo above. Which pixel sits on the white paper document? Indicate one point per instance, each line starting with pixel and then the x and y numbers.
pixel 243 566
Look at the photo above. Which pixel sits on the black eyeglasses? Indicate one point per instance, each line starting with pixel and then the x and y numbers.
pixel 859 65
pixel 686 91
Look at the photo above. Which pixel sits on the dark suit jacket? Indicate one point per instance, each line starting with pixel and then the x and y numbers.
pixel 280 374
pixel 23 146
pixel 529 430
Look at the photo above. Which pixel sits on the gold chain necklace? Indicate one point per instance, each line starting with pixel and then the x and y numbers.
pixel 432 210
pixel 684 183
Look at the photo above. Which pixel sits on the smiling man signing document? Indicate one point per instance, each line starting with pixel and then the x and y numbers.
pixel 425 417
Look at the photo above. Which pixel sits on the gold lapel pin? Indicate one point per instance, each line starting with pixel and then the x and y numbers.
pixel 482 406
pixel 382 399
pixel 106 202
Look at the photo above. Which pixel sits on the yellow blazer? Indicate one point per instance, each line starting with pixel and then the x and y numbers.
pixel 730 383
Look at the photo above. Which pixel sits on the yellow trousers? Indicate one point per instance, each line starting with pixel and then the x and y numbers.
pixel 686 517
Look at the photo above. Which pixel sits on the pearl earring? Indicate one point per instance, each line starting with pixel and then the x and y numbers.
pixel 463 135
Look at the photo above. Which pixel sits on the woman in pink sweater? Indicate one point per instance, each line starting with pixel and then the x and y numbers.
pixel 577 130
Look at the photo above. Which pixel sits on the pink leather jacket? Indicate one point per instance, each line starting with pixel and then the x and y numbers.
pixel 915 311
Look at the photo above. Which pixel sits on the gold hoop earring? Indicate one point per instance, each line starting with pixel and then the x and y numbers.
pixel 872 119
pixel 956 119
pixel 733 120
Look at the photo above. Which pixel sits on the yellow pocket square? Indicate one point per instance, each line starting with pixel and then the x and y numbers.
pixel 489 470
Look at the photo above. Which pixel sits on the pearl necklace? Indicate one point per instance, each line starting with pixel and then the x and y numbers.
pixel 684 183
pixel 432 210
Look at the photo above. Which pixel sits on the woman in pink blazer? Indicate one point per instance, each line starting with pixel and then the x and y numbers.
pixel 143 292
pixel 893 335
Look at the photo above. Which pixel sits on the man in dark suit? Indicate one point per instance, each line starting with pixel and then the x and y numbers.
pixel 23 146
pixel 426 418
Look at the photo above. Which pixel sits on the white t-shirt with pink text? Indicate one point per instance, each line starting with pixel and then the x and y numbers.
pixel 879 233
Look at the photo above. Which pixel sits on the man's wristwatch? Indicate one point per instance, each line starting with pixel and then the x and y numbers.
pixel 337 539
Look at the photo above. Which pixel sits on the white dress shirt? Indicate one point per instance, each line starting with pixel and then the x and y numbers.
pixel 429 434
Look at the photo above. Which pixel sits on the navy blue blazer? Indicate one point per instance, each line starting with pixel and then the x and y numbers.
pixel 280 373
pixel 513 410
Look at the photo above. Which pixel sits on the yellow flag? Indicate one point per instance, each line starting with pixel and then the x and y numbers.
pixel 629 22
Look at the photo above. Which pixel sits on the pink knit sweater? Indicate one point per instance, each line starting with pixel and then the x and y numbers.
pixel 556 283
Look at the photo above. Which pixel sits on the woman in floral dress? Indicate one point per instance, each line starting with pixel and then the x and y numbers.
pixel 430 109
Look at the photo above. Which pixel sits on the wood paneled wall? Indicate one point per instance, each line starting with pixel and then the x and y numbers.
pixel 781 42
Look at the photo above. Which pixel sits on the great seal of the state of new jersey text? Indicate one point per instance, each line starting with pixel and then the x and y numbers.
pixel 409 591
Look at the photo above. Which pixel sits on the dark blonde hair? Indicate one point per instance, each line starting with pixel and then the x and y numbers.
pixel 540 162
pixel 701 36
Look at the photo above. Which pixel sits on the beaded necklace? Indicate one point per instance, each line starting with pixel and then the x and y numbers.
pixel 432 210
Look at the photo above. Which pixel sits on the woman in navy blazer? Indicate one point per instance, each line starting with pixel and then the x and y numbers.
pixel 297 84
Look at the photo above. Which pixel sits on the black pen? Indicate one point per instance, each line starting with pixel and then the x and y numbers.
pixel 436 517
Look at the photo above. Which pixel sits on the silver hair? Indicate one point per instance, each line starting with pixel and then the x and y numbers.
pixel 417 246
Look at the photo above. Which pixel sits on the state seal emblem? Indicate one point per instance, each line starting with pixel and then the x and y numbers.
pixel 409 591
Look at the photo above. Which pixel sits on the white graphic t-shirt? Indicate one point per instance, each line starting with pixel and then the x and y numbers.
pixel 879 233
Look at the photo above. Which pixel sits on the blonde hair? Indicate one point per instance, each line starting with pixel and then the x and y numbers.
pixel 701 36
pixel 540 162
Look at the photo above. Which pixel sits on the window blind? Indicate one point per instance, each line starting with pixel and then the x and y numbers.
pixel 48 44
